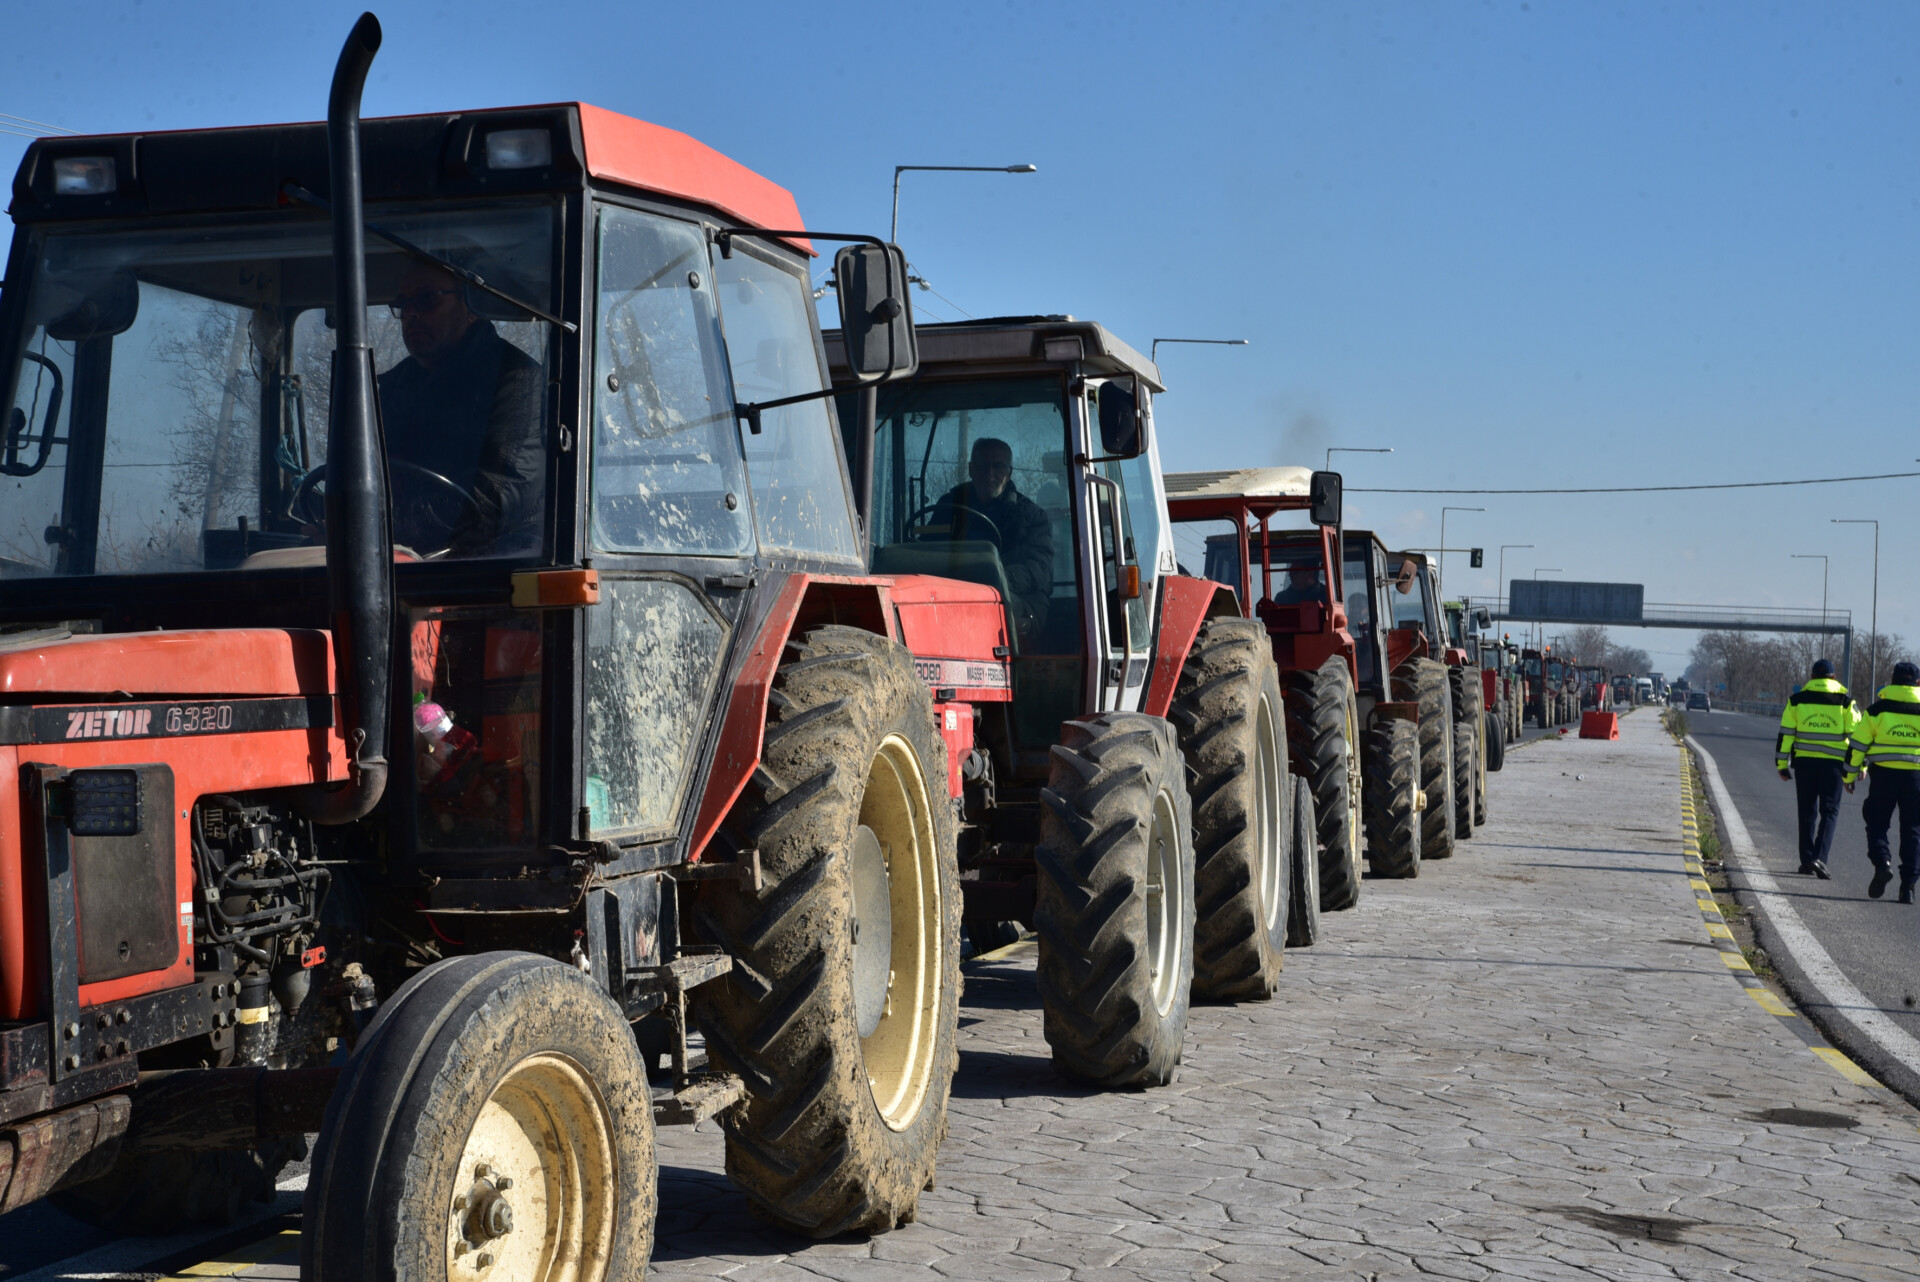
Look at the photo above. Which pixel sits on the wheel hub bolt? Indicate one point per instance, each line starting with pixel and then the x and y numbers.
pixel 486 1259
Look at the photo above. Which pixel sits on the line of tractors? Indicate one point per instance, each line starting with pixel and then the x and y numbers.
pixel 440 757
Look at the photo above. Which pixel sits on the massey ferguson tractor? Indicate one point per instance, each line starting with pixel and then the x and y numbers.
pixel 440 637
pixel 1302 605
pixel 1122 751
pixel 1322 595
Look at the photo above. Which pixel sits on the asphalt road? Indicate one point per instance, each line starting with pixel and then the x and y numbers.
pixel 1876 943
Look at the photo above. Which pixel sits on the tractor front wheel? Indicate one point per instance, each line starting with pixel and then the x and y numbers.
pixel 494 1123
pixel 1114 902
pixel 1424 682
pixel 1303 908
pixel 1323 740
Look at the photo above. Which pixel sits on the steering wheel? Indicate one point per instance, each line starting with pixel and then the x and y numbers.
pixel 303 507
pixel 973 514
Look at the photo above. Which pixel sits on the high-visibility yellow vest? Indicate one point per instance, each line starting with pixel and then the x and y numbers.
pixel 1817 723
pixel 1888 737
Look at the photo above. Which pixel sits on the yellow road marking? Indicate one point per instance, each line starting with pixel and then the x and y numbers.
pixel 1771 1003
pixel 1735 961
pixel 1698 884
pixel 271 1248
pixel 1845 1067
pixel 1718 931
pixel 1708 906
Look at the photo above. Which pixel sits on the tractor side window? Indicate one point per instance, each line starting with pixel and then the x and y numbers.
pixel 1356 567
pixel 1209 549
pixel 800 498
pixel 475 725
pixel 667 470
pixel 33 467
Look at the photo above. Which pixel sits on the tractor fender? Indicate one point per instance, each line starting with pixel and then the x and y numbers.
pixel 1185 605
pixel 800 603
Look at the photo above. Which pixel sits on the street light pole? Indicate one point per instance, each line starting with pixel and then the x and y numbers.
pixel 1443 542
pixel 1815 556
pixel 1873 650
pixel 1501 586
pixel 1354 449
pixel 893 233
pixel 1153 353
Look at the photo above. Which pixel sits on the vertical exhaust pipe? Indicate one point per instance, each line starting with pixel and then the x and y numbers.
pixel 359 522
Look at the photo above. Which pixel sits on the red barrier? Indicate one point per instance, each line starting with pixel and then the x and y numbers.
pixel 1599 725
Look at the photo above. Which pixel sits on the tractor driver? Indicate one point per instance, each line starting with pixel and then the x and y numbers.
pixel 1304 583
pixel 465 404
pixel 1014 523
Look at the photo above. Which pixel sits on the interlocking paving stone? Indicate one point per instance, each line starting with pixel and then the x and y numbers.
pixel 1522 1064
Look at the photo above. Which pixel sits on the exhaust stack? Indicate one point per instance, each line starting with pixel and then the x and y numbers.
pixel 359 522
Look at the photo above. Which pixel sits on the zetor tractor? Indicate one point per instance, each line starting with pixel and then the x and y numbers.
pixel 1302 603
pixel 1121 745
pixel 385 745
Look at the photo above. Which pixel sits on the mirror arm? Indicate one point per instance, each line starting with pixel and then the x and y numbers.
pixel 753 409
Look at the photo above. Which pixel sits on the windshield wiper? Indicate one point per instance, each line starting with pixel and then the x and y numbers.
pixel 473 278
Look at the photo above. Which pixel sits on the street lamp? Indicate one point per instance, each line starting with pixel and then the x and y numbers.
pixel 1354 449
pixel 894 234
pixel 1153 353
pixel 1873 652
pixel 1443 542
pixel 1815 556
pixel 1502 585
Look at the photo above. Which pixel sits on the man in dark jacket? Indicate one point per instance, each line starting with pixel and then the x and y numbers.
pixel 465 405
pixel 1013 523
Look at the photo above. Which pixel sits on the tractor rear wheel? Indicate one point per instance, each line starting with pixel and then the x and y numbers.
pixel 1392 797
pixel 495 1121
pixel 1303 907
pixel 1231 719
pixel 1496 743
pixel 840 1011
pixel 1323 742
pixel 1114 901
pixel 1424 681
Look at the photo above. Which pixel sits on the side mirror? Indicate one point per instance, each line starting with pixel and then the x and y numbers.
pixel 1323 491
pixel 101 307
pixel 876 315
pixel 1123 420
pixel 1482 617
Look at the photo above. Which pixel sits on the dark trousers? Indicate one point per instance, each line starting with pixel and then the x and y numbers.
pixel 1893 789
pixel 1817 781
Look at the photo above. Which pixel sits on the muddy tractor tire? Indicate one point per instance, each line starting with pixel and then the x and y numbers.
pixel 1303 906
pixel 841 1008
pixel 1392 797
pixel 1424 681
pixel 1231 720
pixel 162 1193
pixel 1466 773
pixel 1496 744
pixel 1323 743
pixel 1114 905
pixel 494 1116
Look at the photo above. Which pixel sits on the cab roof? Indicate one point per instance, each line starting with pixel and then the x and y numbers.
pixel 1245 482
pixel 1021 340
pixel 402 158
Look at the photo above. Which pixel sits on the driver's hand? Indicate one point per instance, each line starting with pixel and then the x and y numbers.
pixel 1787 775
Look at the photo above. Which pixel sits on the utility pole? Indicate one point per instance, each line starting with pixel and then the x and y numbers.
pixel 1873 647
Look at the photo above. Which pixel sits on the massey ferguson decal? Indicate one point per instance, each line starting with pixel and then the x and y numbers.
pixel 68 724
pixel 963 674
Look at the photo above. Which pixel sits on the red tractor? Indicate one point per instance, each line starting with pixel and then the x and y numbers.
pixel 1356 747
pixel 1121 749
pixel 399 754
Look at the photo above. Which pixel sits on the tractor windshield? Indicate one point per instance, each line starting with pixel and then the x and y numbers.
pixel 167 404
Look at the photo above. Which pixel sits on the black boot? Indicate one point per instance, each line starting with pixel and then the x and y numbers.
pixel 1906 892
pixel 1878 886
pixel 1820 871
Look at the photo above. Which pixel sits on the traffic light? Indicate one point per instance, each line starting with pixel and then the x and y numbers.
pixel 1479 557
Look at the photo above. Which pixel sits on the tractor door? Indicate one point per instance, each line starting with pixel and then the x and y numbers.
pixel 1127 544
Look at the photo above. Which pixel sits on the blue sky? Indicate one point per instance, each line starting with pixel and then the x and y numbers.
pixel 1522 244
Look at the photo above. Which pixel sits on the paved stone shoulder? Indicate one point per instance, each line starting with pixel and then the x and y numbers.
pixel 1528 1063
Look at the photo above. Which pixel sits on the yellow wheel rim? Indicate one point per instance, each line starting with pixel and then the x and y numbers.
pixel 899 1052
pixel 533 1197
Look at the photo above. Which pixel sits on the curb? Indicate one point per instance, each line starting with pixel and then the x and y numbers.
pixel 1729 951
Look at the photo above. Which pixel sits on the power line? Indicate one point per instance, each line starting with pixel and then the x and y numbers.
pixel 1653 489
pixel 37 124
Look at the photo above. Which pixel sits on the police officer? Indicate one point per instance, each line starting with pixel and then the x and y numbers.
pixel 1887 742
pixel 1812 752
